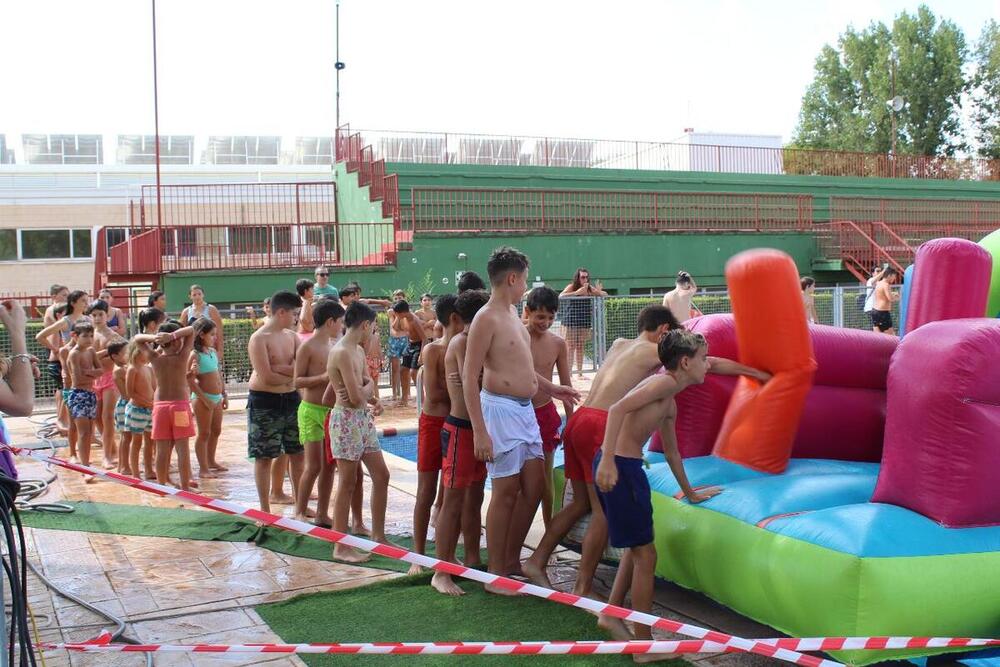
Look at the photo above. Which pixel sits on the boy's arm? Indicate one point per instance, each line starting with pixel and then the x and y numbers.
pixel 649 391
pixel 303 381
pixel 356 394
pixel 668 435
pixel 476 346
pixel 95 370
pixel 261 363
pixel 434 390
pixel 723 366
pixel 562 366
pixel 560 392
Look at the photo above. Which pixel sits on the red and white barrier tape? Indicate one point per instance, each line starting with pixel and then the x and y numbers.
pixel 787 649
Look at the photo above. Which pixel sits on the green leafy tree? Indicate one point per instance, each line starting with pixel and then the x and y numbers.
pixel 986 92
pixel 844 108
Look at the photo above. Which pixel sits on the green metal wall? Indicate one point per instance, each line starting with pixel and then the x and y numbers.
pixel 355 206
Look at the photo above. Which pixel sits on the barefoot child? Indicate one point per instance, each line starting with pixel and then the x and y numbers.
pixel 548 352
pixel 435 409
pixel 399 340
pixel 104 387
pixel 312 381
pixel 411 357
pixel 464 476
pixel 84 369
pixel 304 288
pixel 208 397
pixel 427 316
pixel 67 382
pixel 273 403
pixel 140 386
pixel 623 488
pixel 352 429
pixel 117 350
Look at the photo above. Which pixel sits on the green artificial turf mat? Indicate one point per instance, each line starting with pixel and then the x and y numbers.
pixel 187 524
pixel 408 610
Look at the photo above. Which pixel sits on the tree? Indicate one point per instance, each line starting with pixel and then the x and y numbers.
pixel 844 108
pixel 986 92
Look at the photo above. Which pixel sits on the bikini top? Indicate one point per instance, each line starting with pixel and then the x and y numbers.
pixel 208 362
pixel 65 335
pixel 113 322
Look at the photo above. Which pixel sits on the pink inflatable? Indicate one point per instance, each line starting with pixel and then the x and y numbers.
pixel 951 279
pixel 942 449
pixel 844 412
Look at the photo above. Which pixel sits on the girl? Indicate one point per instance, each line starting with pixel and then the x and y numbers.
pixel 140 385
pixel 76 306
pixel 104 387
pixel 118 354
pixel 198 309
pixel 809 299
pixel 150 319
pixel 208 397
pixel 116 320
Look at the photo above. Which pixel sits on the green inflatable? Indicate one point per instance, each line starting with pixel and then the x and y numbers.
pixel 992 245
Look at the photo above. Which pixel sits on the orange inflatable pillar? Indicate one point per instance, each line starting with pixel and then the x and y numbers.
pixel 759 427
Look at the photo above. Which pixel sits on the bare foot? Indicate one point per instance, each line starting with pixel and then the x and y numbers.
pixel 126 472
pixel 281 498
pixel 193 484
pixel 645 658
pixel 515 570
pixel 442 583
pixel 614 627
pixel 379 538
pixel 416 569
pixel 310 513
pixel 73 458
pixel 206 473
pixel 496 590
pixel 474 563
pixel 323 522
pixel 361 529
pixel 536 575
pixel 151 476
pixel 108 464
pixel 348 554
pixel 220 468
pixel 89 479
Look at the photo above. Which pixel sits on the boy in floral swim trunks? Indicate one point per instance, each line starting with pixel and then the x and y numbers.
pixel 353 439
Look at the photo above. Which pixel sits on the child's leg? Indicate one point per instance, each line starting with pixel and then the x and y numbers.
pixel 379 472
pixel 563 522
pixel 643 571
pixel 404 396
pixel 133 452
pixel 594 543
pixel 472 524
pixel 324 484
pixel 148 454
pixel 63 421
pixel 498 519
pixel 125 454
pixel 278 471
pixel 84 434
pixel 547 490
pixel 426 488
pixel 446 538
pixel 623 582
pixel 213 438
pixel 163 450
pixel 347 478
pixel 313 454
pixel 532 479
pixel 262 479
pixel 184 462
pixel 437 503
pixel 394 379
pixel 108 399
pixel 73 438
pixel 296 463
pixel 358 526
pixel 203 418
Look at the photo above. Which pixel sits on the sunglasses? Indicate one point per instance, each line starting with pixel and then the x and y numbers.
pixel 324 275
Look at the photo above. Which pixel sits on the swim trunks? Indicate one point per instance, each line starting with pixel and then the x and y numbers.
pixel 172 420
pixel 105 382
pixel 629 505
pixel 55 372
pixel 881 319
pixel 120 405
pixel 549 422
pixel 65 395
pixel 411 358
pixel 398 345
pixel 273 424
pixel 512 426
pixel 82 404
pixel 312 418
pixel 138 419
pixel 460 468
pixel 352 433
pixel 582 437
pixel 431 447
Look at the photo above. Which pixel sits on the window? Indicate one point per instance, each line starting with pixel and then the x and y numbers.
pixel 81 244
pixel 321 237
pixel 115 235
pixel 8 244
pixel 259 240
pixel 56 244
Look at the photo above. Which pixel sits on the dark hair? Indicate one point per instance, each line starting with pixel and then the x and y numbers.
pixel 75 296
pixel 504 260
pixel 357 314
pixel 55 289
pixel 543 298
pixel 807 281
pixel 890 272
pixel 683 278
pixel 81 328
pixel 401 307
pixel 117 346
pixel 577 283
pixel 426 295
pixel 97 305
pixel 202 325
pixel 470 280
pixel 267 301
pixel 60 310
pixel 355 284
pixel 285 300
pixel 677 344
pixel 652 318
pixel 303 285
pixel 326 309
pixel 150 316
pixel 444 307
pixel 153 296
pixel 349 290
pixel 170 326
pixel 468 304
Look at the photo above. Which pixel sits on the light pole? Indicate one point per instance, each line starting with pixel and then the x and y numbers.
pixel 337 65
pixel 895 106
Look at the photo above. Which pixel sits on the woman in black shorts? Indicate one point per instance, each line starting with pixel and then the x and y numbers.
pixel 577 314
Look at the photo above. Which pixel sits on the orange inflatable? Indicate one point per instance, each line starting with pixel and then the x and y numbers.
pixel 759 427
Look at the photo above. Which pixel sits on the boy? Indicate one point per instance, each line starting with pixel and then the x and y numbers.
pixel 84 369
pixel 548 352
pixel 427 317
pixel 623 488
pixel 399 340
pixel 67 382
pixel 678 300
pixel 352 429
pixel 273 403
pixel 411 358
pixel 436 406
pixel 464 476
pixel 117 354
pixel 884 298
pixel 627 364
pixel 104 386
pixel 506 432
pixel 140 385
pixel 312 381
pixel 304 288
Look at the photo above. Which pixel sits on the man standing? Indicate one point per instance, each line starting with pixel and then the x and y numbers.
pixel 884 298
pixel 678 300
pixel 323 287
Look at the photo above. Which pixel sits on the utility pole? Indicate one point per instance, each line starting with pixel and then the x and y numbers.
pixel 337 65
pixel 156 125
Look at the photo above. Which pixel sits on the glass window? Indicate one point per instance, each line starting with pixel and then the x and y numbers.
pixel 81 244
pixel 115 235
pixel 8 244
pixel 259 240
pixel 45 243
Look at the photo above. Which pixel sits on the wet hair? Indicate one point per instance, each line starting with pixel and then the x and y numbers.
pixel 326 309
pixel 349 290
pixel 543 298
pixel 357 314
pixel 503 261
pixel 444 307
pixel 468 304
pixel 150 316
pixel 677 344
pixel 652 318
pixel 153 296
pixel 73 297
pixel 470 280
pixel 401 307
pixel 55 289
pixel 303 285
pixel 201 326
pixel 807 281
pixel 117 346
pixel 577 283
pixel 81 328
pixel 683 278
pixel 285 300
pixel 169 326
pixel 97 305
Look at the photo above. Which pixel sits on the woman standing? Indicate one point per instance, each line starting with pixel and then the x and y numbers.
pixel 576 313
pixel 199 308
pixel 116 320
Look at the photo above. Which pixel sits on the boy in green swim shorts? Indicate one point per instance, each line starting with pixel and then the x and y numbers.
pixel 312 381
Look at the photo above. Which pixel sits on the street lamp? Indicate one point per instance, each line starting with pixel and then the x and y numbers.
pixel 895 105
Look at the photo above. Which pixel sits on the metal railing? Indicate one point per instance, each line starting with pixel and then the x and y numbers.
pixel 236 204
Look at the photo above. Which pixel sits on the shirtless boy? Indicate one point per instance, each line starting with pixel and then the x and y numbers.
pixel 399 340
pixel 505 430
pixel 117 354
pixel 623 488
pixel 884 298
pixel 436 406
pixel 548 352
pixel 410 362
pixel 104 386
pixel 628 363
pixel 312 381
pixel 353 439
pixel 140 386
pixel 427 316
pixel 678 300
pixel 84 369
pixel 273 403
pixel 304 288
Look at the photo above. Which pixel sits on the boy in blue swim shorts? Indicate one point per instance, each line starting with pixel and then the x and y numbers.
pixel 622 485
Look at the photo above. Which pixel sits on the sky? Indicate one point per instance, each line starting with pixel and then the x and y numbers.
pixel 618 70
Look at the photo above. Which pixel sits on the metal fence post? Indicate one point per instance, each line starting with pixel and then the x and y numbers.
pixel 600 331
pixel 838 306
